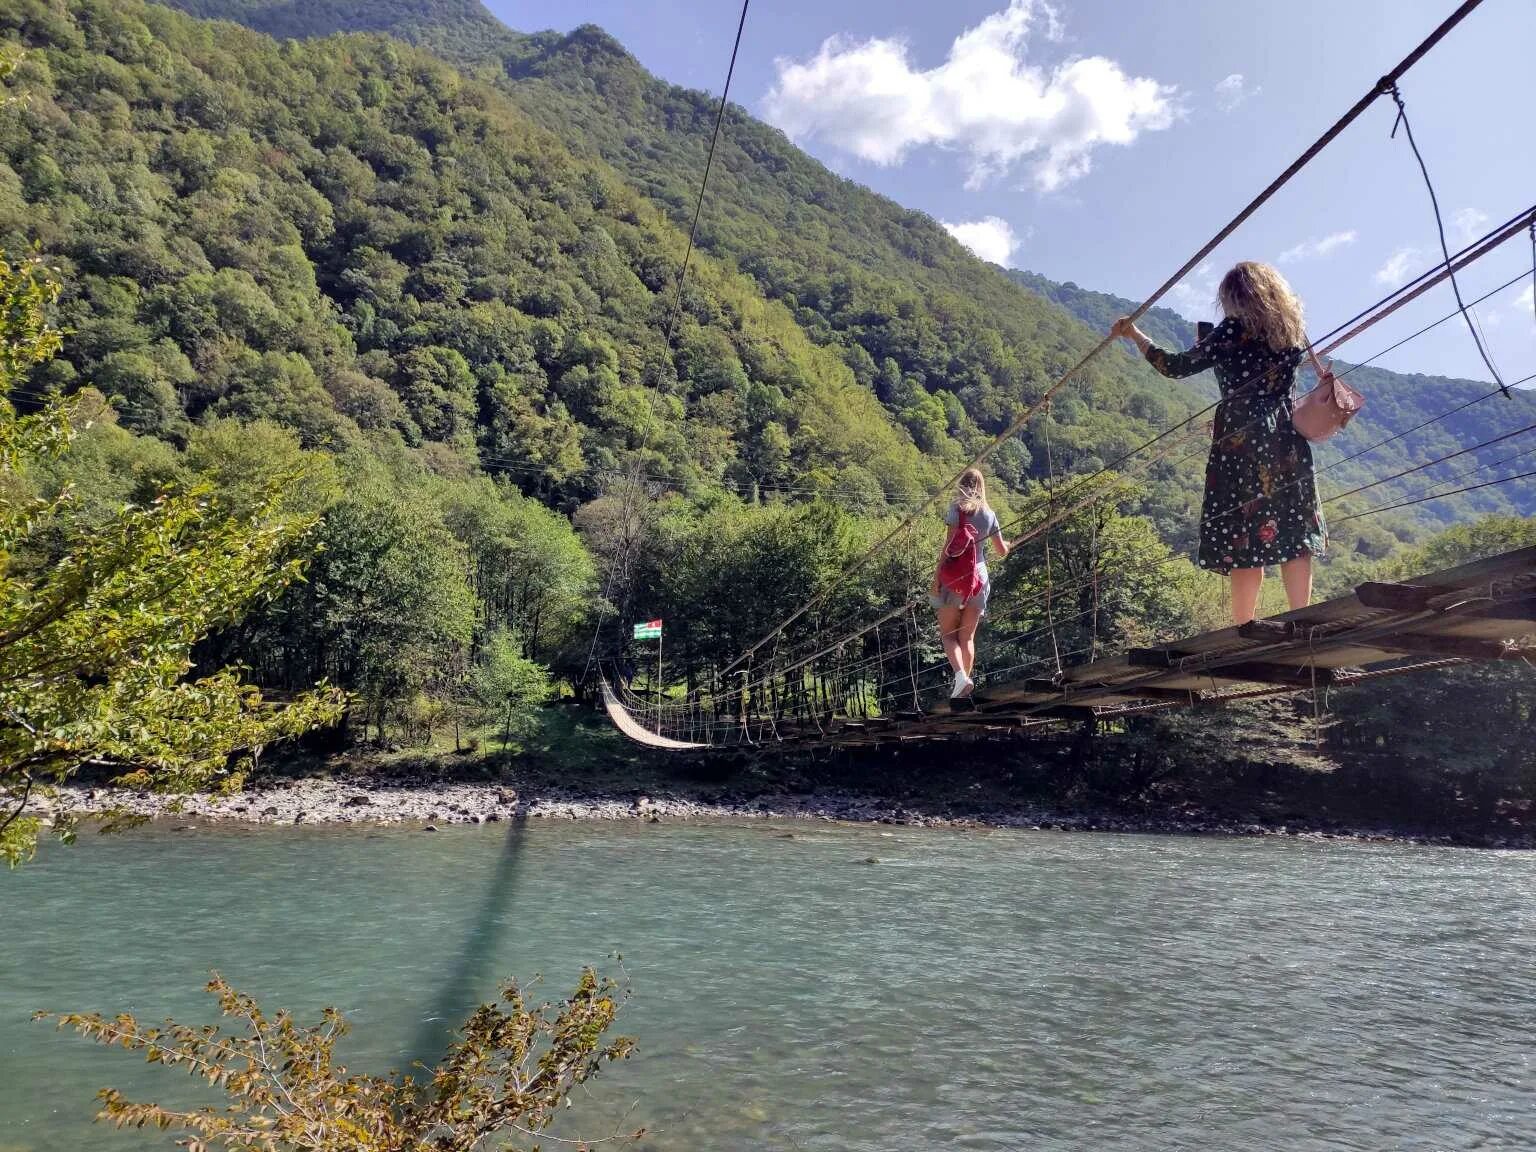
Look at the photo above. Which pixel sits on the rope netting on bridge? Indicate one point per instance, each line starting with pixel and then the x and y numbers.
pixel 834 671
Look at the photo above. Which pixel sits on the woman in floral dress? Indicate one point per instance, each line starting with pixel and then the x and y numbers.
pixel 1261 504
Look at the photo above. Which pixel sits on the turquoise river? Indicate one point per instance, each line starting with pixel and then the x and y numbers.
pixel 816 986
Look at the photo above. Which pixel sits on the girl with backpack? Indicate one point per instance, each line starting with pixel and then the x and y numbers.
pixel 961 584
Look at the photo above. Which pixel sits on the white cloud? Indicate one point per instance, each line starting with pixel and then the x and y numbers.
pixel 866 97
pixel 1196 293
pixel 1526 301
pixel 1317 249
pixel 1469 223
pixel 992 238
pixel 1233 91
pixel 1395 270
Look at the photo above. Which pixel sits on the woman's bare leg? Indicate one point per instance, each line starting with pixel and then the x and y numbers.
pixel 1246 583
pixel 970 620
pixel 949 634
pixel 1297 575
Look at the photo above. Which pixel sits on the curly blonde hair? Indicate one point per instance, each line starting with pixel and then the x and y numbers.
pixel 1258 295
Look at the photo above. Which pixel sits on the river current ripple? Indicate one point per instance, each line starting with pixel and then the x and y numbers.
pixel 1004 990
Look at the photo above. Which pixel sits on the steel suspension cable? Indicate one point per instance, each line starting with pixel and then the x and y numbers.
pixel 1428 499
pixel 1465 472
pixel 1431 463
pixel 1510 283
pixel 1051 593
pixel 1361 322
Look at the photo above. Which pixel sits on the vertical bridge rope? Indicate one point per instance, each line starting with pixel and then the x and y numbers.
pixel 1445 249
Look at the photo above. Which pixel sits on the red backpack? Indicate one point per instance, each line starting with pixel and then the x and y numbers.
pixel 959 567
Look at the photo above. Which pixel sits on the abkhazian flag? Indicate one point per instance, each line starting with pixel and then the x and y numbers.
pixel 650 630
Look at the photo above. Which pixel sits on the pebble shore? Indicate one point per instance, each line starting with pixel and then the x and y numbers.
pixel 430 806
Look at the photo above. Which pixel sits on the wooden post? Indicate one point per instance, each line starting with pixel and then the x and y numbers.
pixel 659 632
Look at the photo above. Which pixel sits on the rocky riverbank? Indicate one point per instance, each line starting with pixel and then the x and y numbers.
pixel 430 805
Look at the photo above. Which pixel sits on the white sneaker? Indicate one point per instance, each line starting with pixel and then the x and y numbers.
pixel 962 686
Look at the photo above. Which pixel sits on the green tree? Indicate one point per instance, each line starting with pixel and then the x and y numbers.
pixel 529 570
pixel 386 610
pixel 508 686
pixel 95 645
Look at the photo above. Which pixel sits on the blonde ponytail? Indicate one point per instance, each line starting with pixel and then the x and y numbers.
pixel 972 492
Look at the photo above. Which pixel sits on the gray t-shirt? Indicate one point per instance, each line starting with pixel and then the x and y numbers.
pixel 984 520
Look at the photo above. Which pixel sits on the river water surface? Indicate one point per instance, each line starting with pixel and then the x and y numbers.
pixel 1005 990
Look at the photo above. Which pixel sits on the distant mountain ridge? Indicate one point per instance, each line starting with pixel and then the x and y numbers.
pixel 1099 310
pixel 301 19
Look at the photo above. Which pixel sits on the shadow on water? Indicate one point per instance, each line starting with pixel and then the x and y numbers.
pixel 471 982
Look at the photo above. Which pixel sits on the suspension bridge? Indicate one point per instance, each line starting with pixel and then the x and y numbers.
pixel 1483 611
pixel 864 685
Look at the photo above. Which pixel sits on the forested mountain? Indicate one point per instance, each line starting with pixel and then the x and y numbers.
pixel 917 318
pixel 947 343
pixel 344 261
pixel 1099 310
pixel 464 22
pixel 344 237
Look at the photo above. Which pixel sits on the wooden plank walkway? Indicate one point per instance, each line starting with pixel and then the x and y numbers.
pixel 1485 610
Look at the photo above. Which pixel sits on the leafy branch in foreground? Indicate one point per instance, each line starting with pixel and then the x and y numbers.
pixel 506 1080
pixel 98 619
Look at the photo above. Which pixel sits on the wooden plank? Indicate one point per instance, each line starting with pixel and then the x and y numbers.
pixel 1264 672
pixel 1055 711
pixel 1156 657
pixel 1155 692
pixel 1513 615
pixel 1102 671
pixel 1480 627
pixel 1104 695
pixel 1428 644
pixel 1270 631
pixel 1394 597
pixel 1011 696
pixel 1506 566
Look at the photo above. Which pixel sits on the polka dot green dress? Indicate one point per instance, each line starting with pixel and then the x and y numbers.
pixel 1261 504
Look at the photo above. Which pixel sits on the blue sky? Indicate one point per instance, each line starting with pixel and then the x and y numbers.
pixel 1102 142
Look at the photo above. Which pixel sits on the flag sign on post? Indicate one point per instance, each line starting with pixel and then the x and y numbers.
pixel 650 630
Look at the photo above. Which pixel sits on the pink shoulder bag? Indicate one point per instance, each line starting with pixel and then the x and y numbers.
pixel 1324 411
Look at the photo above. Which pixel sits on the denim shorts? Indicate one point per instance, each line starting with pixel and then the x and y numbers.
pixel 947 599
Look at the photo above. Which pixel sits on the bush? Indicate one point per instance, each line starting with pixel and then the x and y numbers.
pixel 510 1075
